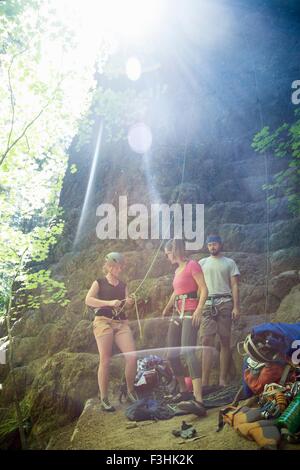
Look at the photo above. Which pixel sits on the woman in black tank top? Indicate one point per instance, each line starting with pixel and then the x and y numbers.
pixel 108 297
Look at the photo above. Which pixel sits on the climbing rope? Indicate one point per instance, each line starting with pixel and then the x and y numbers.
pixel 137 315
pixel 133 295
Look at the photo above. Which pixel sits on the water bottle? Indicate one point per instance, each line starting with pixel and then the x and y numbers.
pixel 290 418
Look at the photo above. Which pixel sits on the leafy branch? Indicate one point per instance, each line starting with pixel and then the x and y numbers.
pixel 284 143
pixel 30 124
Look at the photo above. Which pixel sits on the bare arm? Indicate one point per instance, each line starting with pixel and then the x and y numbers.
pixel 199 278
pixel 169 304
pixel 234 280
pixel 91 299
pixel 129 300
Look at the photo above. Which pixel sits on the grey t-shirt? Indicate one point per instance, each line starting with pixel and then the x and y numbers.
pixel 217 273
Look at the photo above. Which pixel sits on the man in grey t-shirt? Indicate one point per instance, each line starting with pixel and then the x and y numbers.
pixel 222 306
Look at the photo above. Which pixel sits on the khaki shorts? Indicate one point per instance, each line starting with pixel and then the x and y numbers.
pixel 221 323
pixel 106 326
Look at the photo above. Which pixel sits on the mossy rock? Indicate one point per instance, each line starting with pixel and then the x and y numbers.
pixel 155 333
pixel 289 309
pixel 63 384
pixel 26 350
pixel 50 313
pixel 9 426
pixel 147 288
pixel 29 325
pixel 153 295
pixel 82 338
pixel 54 336
pixel 76 307
pixel 21 376
pixel 51 338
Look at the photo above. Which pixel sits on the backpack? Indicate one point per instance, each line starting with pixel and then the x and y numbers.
pixel 146 409
pixel 153 374
pixel 270 342
pixel 270 373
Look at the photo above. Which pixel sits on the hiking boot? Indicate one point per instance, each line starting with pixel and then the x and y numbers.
pixel 193 406
pixel 181 396
pixel 106 406
pixel 132 397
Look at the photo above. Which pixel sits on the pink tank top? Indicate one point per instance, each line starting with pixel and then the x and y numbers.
pixel 183 283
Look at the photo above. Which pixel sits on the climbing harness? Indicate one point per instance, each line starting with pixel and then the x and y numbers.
pixel 182 298
pixel 212 301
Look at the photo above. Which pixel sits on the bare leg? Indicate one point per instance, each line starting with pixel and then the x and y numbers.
pixel 224 359
pixel 104 344
pixel 182 384
pixel 207 357
pixel 197 387
pixel 126 345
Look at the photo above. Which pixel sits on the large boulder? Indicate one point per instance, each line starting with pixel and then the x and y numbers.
pixel 51 338
pixel 26 350
pixel 252 298
pixel 289 309
pixel 54 336
pixel 155 333
pixel 29 324
pixel 153 294
pixel 17 382
pixel 82 338
pixel 281 284
pixel 286 259
pixel 60 389
pixel 32 321
pixel 284 234
pixel 76 310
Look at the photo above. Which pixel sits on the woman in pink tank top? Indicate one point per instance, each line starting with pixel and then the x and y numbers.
pixel 184 324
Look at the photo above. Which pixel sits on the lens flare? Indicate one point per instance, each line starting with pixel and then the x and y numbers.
pixel 140 138
pixel 133 69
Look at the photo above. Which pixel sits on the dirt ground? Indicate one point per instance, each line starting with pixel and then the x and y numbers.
pixel 97 430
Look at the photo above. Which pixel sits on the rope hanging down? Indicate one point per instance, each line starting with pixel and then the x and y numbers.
pixel 266 164
pixel 160 245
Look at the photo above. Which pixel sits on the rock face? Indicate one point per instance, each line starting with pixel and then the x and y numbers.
pixel 289 309
pixel 63 384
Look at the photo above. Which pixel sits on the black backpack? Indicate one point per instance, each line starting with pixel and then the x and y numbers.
pixel 146 409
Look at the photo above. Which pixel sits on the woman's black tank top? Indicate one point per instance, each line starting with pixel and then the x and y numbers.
pixel 109 292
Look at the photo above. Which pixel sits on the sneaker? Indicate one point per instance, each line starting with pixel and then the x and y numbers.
pixel 193 406
pixel 106 406
pixel 132 397
pixel 182 396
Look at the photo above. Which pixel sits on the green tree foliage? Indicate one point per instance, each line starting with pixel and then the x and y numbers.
pixel 284 143
pixel 43 94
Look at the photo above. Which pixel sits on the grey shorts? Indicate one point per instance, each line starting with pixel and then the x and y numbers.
pixel 219 321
